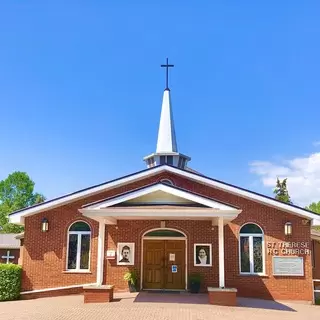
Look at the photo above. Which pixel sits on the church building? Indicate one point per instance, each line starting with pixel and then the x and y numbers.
pixel 166 223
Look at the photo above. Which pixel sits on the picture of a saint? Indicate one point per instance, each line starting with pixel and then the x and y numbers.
pixel 125 253
pixel 202 255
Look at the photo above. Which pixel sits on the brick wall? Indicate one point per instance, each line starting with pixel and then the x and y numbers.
pixel 44 254
pixel 132 231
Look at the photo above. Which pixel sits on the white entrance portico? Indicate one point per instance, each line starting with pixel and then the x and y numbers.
pixel 160 201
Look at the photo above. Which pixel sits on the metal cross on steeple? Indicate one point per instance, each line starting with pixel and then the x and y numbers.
pixel 167 66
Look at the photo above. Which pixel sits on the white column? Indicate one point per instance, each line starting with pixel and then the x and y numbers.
pixel 221 253
pixel 100 259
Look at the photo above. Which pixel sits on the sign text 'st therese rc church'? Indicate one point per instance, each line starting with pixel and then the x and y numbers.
pixel 167 222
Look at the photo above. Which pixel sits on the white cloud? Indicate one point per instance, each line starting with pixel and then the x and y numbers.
pixel 303 176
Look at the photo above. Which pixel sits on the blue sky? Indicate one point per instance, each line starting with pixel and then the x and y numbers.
pixel 81 88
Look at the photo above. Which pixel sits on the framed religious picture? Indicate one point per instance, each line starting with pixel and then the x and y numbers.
pixel 203 254
pixel 125 253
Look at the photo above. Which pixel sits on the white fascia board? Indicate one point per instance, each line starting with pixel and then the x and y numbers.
pixel 104 213
pixel 316 222
pixel 18 217
pixel 164 188
pixel 243 193
pixel 9 246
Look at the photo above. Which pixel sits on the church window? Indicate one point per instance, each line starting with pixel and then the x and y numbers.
pixel 167 181
pixel 151 162
pixel 170 160
pixel 182 162
pixel 79 236
pixel 164 233
pixel 162 159
pixel 251 250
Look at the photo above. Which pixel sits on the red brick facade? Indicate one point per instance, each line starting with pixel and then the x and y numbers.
pixel 223 298
pixel 96 295
pixel 52 293
pixel 44 254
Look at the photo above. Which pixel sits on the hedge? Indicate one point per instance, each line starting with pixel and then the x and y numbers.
pixel 10 281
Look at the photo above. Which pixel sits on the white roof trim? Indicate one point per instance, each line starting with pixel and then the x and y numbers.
pixel 159 213
pixel 164 188
pixel 9 246
pixel 18 217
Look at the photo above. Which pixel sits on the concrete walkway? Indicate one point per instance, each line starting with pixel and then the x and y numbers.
pixel 153 306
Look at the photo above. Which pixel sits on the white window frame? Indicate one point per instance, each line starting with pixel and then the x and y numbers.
pixel 251 261
pixel 79 234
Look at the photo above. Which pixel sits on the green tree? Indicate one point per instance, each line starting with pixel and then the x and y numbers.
pixel 314 206
pixel 16 192
pixel 281 191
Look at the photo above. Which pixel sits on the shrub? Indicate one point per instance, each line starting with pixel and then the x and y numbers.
pixel 131 277
pixel 10 281
pixel 317 301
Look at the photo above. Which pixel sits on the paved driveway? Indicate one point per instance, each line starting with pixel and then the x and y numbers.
pixel 151 306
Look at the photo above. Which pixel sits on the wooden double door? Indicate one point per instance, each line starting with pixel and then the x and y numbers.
pixel 164 264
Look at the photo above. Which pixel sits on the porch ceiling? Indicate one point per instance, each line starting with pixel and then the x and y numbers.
pixel 159 202
pixel 112 216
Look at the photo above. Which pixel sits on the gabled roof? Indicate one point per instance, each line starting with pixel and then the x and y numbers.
pixel 159 186
pixel 18 216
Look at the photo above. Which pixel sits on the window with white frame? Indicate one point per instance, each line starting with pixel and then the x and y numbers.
pixel 251 250
pixel 79 235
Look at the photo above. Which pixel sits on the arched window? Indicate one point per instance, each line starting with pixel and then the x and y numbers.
pixel 167 181
pixel 164 233
pixel 79 235
pixel 251 248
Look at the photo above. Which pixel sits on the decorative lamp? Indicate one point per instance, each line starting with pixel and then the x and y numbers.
pixel 288 229
pixel 44 225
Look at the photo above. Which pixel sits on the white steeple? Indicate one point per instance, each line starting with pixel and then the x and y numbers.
pixel 166 135
pixel 167 150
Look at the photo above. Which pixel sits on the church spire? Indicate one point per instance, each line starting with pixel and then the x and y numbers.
pixel 167 150
pixel 166 135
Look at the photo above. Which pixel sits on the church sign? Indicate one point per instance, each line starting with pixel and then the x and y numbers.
pixel 288 266
pixel 288 248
